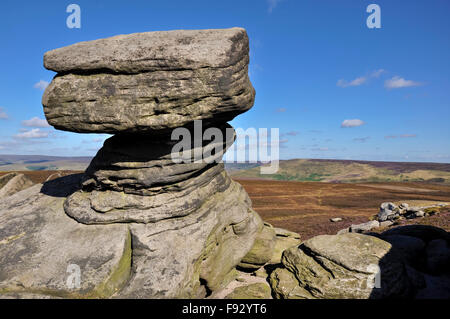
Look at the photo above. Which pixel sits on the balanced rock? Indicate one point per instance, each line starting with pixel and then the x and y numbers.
pixel 147 197
pixel 147 82
pixel 135 179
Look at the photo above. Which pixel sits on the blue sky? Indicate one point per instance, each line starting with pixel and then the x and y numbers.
pixel 334 87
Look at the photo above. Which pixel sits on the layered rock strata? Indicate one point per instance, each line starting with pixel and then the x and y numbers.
pixel 162 219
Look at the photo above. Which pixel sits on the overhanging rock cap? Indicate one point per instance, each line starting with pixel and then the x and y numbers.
pixel 152 51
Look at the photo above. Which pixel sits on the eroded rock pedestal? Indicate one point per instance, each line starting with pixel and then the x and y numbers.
pixel 137 223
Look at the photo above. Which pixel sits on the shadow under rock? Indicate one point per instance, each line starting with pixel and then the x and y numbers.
pixel 63 186
pixel 411 244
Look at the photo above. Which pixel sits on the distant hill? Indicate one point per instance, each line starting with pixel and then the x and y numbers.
pixel 41 162
pixel 338 171
pixel 315 170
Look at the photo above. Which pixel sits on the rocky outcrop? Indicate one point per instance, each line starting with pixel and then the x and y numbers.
pixel 425 251
pixel 359 228
pixel 284 239
pixel 13 183
pixel 402 262
pixel 262 250
pixel 390 211
pixel 341 266
pixel 252 291
pixel 174 212
pixel 40 246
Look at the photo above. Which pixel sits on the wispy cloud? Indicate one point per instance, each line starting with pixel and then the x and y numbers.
pixel 3 115
pixel 41 85
pixel 352 123
pixel 361 139
pixel 272 4
pixel 281 110
pixel 400 136
pixel 33 133
pixel 377 73
pixel 35 122
pixel 356 82
pixel 320 149
pixel 360 80
pixel 397 82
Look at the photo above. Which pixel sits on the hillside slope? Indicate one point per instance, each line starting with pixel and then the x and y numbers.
pixel 335 171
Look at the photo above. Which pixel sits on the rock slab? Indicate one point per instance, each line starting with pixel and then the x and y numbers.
pixel 148 82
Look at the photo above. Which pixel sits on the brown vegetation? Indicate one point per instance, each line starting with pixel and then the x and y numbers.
pixel 42 176
pixel 306 207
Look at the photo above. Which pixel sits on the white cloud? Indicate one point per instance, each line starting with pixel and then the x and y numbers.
pixel 281 110
pixel 272 4
pixel 398 82
pixel 3 115
pixel 352 123
pixel 360 80
pixel 356 82
pixel 35 122
pixel 33 133
pixel 377 73
pixel 320 149
pixel 41 85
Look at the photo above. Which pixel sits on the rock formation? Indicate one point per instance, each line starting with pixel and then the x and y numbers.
pixel 402 262
pixel 390 211
pixel 340 266
pixel 151 219
pixel 138 223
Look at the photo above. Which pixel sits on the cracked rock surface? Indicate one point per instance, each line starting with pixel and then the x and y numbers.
pixel 139 223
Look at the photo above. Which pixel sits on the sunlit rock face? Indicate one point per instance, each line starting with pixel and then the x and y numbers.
pixel 161 228
pixel 147 82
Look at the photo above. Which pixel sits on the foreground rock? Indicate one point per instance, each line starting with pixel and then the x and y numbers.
pixel 262 250
pixel 40 246
pixel 252 291
pixel 341 266
pixel 284 239
pixel 359 228
pixel 13 183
